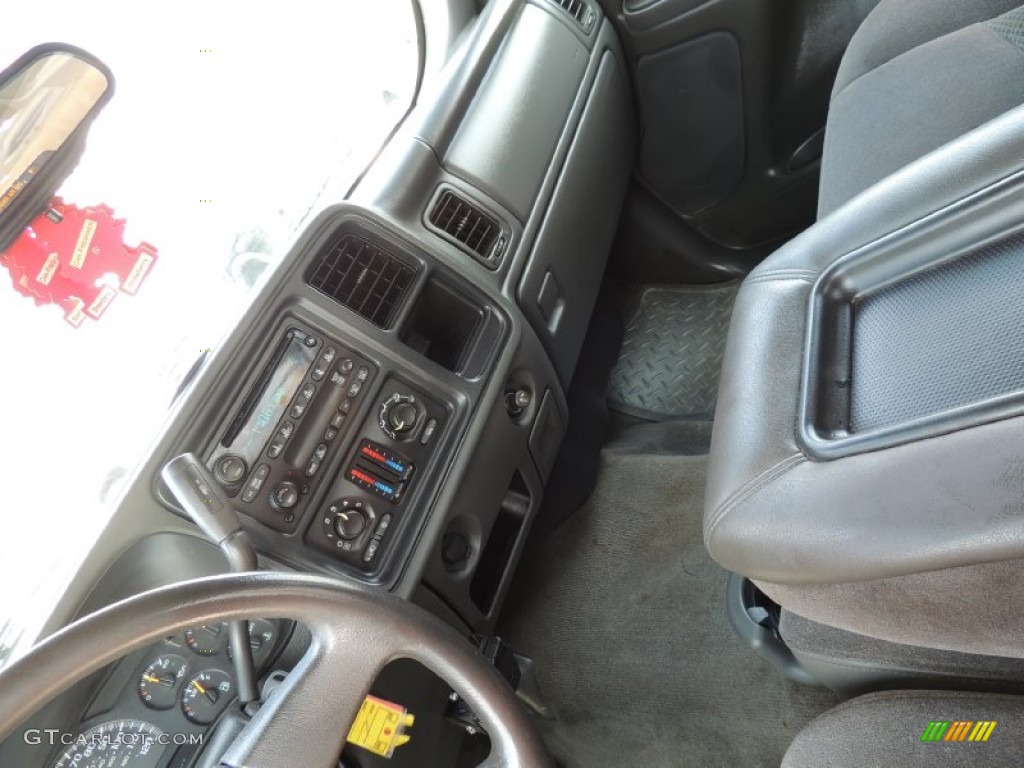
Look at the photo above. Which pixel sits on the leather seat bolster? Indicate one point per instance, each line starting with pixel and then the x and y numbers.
pixel 773 512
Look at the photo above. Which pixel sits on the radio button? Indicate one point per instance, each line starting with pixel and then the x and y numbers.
pixel 345 407
pixel 382 526
pixel 302 401
pixel 339 379
pixel 312 468
pixel 371 550
pixel 285 496
pixel 256 482
pixel 330 433
pixel 321 452
pixel 346 366
pixel 355 389
pixel 337 420
pixel 363 373
pixel 324 363
pixel 280 440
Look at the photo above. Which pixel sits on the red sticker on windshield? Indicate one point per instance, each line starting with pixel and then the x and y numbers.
pixel 91 244
pixel 36 274
pixel 76 257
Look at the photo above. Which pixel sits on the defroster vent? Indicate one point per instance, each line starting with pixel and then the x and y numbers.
pixel 363 277
pixel 464 222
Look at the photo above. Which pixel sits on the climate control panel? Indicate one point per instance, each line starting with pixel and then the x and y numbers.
pixel 381 475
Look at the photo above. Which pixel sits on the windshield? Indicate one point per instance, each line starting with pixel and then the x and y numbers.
pixel 232 124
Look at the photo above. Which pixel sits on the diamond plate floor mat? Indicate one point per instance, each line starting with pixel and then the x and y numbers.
pixel 672 352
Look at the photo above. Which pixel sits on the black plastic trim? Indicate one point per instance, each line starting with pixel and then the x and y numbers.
pixel 741 596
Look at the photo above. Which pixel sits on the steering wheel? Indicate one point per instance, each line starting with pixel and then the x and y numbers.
pixel 355 635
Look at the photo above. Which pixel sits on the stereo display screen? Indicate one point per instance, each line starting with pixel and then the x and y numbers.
pixel 279 389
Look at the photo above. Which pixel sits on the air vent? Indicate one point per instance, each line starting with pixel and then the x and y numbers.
pixel 579 10
pixel 463 222
pixel 363 277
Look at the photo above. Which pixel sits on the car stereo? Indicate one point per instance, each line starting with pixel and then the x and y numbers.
pixel 289 426
pixel 303 431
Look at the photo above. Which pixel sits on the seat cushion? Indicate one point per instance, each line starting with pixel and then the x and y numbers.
pixel 918 74
pixel 911 729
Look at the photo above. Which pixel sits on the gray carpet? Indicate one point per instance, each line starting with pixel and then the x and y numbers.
pixel 623 612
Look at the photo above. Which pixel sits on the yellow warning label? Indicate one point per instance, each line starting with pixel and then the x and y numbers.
pixel 380 726
pixel 84 241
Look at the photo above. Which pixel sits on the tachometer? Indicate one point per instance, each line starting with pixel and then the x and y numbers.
pixel 206 695
pixel 158 686
pixel 117 744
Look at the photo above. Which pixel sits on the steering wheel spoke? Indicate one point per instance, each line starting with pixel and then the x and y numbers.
pixel 311 712
pixel 306 721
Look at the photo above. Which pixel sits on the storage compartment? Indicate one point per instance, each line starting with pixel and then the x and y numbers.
pixel 501 543
pixel 443 325
pixel 562 279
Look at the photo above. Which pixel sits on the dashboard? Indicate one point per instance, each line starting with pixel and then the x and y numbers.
pixel 389 408
pixel 155 708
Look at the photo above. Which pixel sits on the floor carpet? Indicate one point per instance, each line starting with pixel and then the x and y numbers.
pixel 623 612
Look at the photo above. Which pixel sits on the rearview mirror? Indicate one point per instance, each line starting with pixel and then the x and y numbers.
pixel 48 99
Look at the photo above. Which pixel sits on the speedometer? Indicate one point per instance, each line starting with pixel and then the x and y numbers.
pixel 117 744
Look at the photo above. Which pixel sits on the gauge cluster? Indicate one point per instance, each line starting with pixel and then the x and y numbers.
pixel 154 708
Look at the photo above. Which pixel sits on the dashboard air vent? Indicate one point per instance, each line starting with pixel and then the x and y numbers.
pixel 464 222
pixel 579 10
pixel 363 277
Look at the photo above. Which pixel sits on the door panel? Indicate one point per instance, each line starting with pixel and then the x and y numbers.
pixel 734 96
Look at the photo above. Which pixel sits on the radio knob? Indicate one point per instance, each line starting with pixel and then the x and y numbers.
pixel 349 524
pixel 229 469
pixel 285 496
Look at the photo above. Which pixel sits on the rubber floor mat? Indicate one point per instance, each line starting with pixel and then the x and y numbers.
pixel 672 352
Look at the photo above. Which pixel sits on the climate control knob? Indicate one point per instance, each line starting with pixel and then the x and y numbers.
pixel 349 524
pixel 285 496
pixel 398 416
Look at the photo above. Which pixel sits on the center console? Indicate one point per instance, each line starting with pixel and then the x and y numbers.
pixel 344 419
pixel 318 404
pixel 391 406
